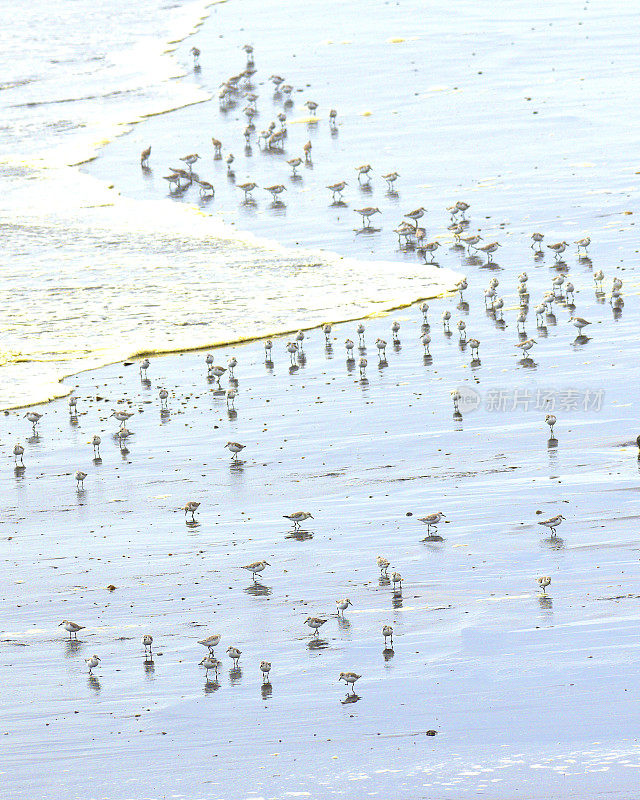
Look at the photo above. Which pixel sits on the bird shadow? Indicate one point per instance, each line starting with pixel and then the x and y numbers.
pixel 546 602
pixel 527 363
pixel 553 542
pixel 580 340
pixel 552 443
pixel 316 643
pixel 388 653
pixel 211 686
pixel 433 537
pixel 384 580
pixel 299 535
pixel 94 684
pixel 266 690
pixel 343 623
pixel 235 675
pixel 258 590
pixel 72 646
pixel 338 204
pixel 351 697
pixel 366 229
pixel 396 598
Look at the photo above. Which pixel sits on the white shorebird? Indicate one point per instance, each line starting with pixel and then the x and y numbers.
pixel 312 106
pixel 526 345
pixel 415 215
pixel 265 669
pixel 18 452
pixel 292 349
pixel 34 418
pixel 540 312
pixel 391 178
pixel 364 170
pixel 396 577
pixel 472 241
pixel 521 320
pixel 583 244
pixel 489 250
pixel 315 623
pixel 543 582
pixel 446 317
pixel 349 678
pixel 461 285
pixel 235 448
pixel 231 398
pixel 255 567
pixel 163 394
pixel 211 641
pixel 523 294
pixel 552 523
pixel 71 627
pixel 381 345
pixel 247 188
pixel 73 406
pixel 144 366
pixel 430 247
pixel 80 476
pixel 144 157
pixel 536 239
pixel 268 346
pixel 210 662
pixel 217 372
pixel 395 328
pixel 598 277
pixel 362 365
pixel 558 249
pixel 550 419
pixel 234 655
pixel 92 662
pixel 474 344
pixel 337 189
pixel 195 52
pixel 232 363
pixel 122 417
pixel 383 563
pixel 294 163
pixel 424 307
pixel 462 329
pixel 349 345
pixel 190 508
pixel 147 641
pixel 387 632
pixel 276 190
pixel 432 520
pixel 360 332
pixel 366 213
pixel 326 329
pixel 579 323
pixel 569 289
pixel 425 339
pixel 297 517
pixel 342 605
pixel 332 117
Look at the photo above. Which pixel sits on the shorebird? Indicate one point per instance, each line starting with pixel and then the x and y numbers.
pixel 552 523
pixel 543 582
pixel 92 662
pixel 311 106
pixel 579 323
pixel 196 56
pixel 297 517
pixel 523 294
pixel 71 627
pixel 307 151
pixel 229 162
pixel 387 632
pixel 337 189
pixel 425 339
pixel 474 344
pixel 521 320
pixel 18 452
pixel 211 641
pixel 405 229
pixel 231 395
pixel 234 655
pixel 391 178
pixel 326 329
pixel 526 345
pixel 292 349
pixel 472 241
pixel 383 563
pixel 362 365
pixel 294 163
pixel 360 332
pixel 349 345
pixel 342 605
pixel 489 250
pixel 558 248
pixel 190 508
pixel 416 214
pixel 265 669
pixel 432 520
pixel 217 148
pixel 396 577
pixel 540 312
pixel 430 247
pixel 247 188
pixel 498 305
pixel 209 662
pixel 462 207
pixel 315 623
pixel 583 244
pixel 446 316
pixel 275 190
pixel 536 239
pixel 235 448
pixel 206 189
pixel 395 327
pixel 34 418
pixel 366 213
pixel 147 641
pixel 425 310
pixel 277 80
pixel 217 371
pixel 144 366
pixel 349 678
pixel 381 345
pixel 364 170
pixel 523 277
pixel 80 476
pixel 122 416
pixel 255 567
pixel 190 160
pixel 163 394
pixel 598 277
pixel 232 363
pixel 550 419
pixel 144 157
pixel 268 346
pixel 569 290
pixel 461 285
pixel 332 117
pixel 462 328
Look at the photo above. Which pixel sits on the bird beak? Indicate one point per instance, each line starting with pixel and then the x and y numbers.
pixel 311 515
pixel 267 563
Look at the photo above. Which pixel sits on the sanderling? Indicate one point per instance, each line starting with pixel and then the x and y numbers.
pixel 381 345
pixel 383 563
pixel 268 346
pixel 195 52
pixel 144 366
pixel 552 523
pixel 474 344
pixel 190 160
pixel 523 277
pixel 144 157
pixel 265 668
pixel 207 189
pixel 526 345
pixel 122 416
pixel 307 147
pixel 462 207
pixel 326 329
pixel 425 339
pixel 342 605
pixel 34 418
pixel 432 520
pixel 598 277
pixel 579 323
pixel 416 214
pixel 255 567
pixel 456 397
pixel 247 188
pixel 275 190
pixel 332 117
pixel 276 80
pixel 71 627
pixel 292 349
pixel 349 345
pixel 583 244
pixel 543 582
pixel 446 316
pixel 540 311
pixel 73 406
pixel 550 419
pixel 315 623
pixel 362 364
pixel 360 332
pixel 337 189
pixel 235 448
pixel 163 394
pixel 312 106
pixel 425 310
pixel 80 476
pixel 569 290
pixel 209 662
pixel 211 641
pixel 387 632
pixel 489 250
pixel 217 372
pixel 498 305
pixel 536 238
pixel 430 247
pixel 232 363
pixel 294 163
pixel 523 294
pixel 396 577
pixel 231 395
pixel 395 327
pixel 461 285
pixel 558 248
pixel 462 329
pixel 366 214
pixel 147 641
pixel 391 178
pixel 349 678
pixel 229 162
pixel 363 171
pixel 18 452
pixel 190 508
pixel 297 517
pixel 556 284
pixel 92 662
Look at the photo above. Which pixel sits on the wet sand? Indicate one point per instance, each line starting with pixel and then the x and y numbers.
pixel 528 694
